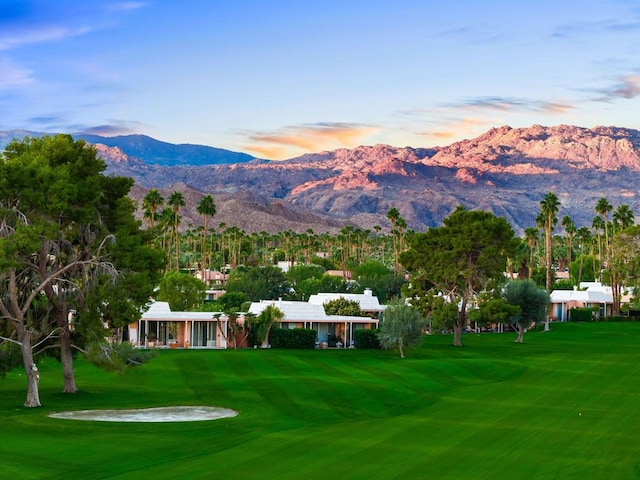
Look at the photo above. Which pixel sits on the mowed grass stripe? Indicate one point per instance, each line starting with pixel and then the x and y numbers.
pixel 492 409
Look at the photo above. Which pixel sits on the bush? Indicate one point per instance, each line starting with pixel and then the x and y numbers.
pixel 299 338
pixel 581 314
pixel 118 356
pixel 367 338
pixel 619 318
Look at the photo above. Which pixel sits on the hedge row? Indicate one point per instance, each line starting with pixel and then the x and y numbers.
pixel 366 338
pixel 292 338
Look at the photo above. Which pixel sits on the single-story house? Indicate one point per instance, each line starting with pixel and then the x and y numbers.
pixel 368 302
pixel 211 277
pixel 312 316
pixel 590 294
pixel 160 327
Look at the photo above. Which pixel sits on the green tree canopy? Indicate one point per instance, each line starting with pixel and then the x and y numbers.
pixel 401 327
pixel 462 257
pixel 259 283
pixel 183 292
pixel 343 306
pixel 533 303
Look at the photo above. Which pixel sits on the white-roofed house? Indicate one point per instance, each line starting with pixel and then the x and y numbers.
pixel 159 326
pixel 591 294
pixel 368 302
pixel 312 316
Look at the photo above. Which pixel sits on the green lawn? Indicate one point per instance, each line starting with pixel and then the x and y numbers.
pixel 563 405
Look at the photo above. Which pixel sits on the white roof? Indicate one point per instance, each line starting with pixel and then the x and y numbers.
pixel 305 312
pixel 367 301
pixel 595 293
pixel 161 311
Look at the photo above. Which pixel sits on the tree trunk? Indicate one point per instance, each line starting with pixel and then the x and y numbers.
pixel 30 368
pixel 520 331
pixel 66 358
pixel 457 334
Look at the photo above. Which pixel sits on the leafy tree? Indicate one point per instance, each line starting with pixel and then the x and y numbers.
pixel 625 263
pixel 494 310
pixel 343 306
pixel 59 213
pixel 182 291
pixel 325 284
pixel 533 303
pixel 258 283
pixel 231 302
pixel 462 257
pixel 402 326
pixel 382 281
pixel 299 273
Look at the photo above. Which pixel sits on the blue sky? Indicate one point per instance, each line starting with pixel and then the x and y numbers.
pixel 279 78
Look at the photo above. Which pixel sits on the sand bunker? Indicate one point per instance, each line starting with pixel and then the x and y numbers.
pixel 155 415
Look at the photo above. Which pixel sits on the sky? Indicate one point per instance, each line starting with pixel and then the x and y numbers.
pixel 280 78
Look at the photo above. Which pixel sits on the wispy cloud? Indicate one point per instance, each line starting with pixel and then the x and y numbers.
pixel 449 130
pixel 627 87
pixel 471 116
pixel 13 75
pixel 115 127
pixel 126 6
pixel 511 104
pixel 293 140
pixel 13 40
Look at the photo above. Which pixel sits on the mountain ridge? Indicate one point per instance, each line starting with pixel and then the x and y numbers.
pixel 505 170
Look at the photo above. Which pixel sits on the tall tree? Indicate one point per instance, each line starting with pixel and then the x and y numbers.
pixel 175 201
pixel 462 257
pixel 531 236
pixel 151 202
pixel 584 236
pixel 623 217
pixel 603 207
pixel 549 207
pixel 54 201
pixel 569 232
pixel 206 208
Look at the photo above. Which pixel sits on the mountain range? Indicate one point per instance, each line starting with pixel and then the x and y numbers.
pixel 506 171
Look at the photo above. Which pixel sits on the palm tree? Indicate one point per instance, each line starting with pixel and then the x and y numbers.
pixel 603 207
pixel 150 203
pixel 570 231
pixel 394 216
pixel 549 207
pixel 176 200
pixel 598 226
pixel 623 217
pixel 531 236
pixel 267 318
pixel 206 208
pixel 584 235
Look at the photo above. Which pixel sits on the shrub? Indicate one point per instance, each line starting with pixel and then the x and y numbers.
pixel 619 318
pixel 299 338
pixel 581 314
pixel 367 338
pixel 118 356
